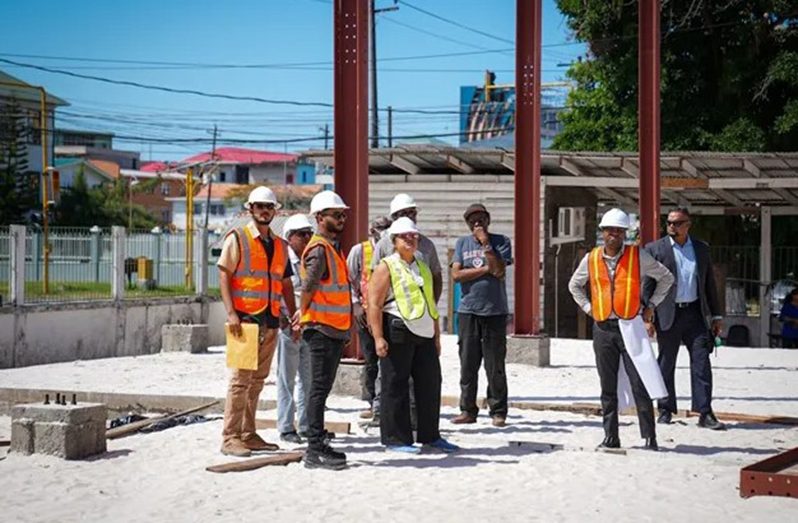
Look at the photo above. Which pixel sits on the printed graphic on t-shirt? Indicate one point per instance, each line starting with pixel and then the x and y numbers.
pixel 474 258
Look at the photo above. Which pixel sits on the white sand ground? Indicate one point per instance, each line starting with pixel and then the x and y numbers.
pixel 161 476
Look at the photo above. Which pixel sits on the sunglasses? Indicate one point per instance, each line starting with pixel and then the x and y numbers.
pixel 260 206
pixel 336 215
pixel 407 213
pixel 307 233
pixel 407 236
pixel 677 223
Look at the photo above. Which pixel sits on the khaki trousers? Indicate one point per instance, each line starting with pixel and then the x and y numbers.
pixel 244 390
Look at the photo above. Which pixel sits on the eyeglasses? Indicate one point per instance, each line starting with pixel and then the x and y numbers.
pixel 677 223
pixel 336 215
pixel 407 236
pixel 406 213
pixel 261 206
pixel 303 232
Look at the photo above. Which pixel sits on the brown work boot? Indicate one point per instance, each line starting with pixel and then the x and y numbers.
pixel 499 421
pixel 366 414
pixel 235 447
pixel 464 418
pixel 255 442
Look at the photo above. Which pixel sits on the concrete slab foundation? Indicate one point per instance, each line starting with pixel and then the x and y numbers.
pixel 184 338
pixel 528 350
pixel 66 431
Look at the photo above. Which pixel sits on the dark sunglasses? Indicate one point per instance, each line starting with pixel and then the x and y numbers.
pixel 336 215
pixel 260 206
pixel 677 223
pixel 307 233
pixel 406 213
pixel 407 236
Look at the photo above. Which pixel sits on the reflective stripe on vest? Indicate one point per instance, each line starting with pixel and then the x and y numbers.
pixel 411 298
pixel 620 294
pixel 331 303
pixel 256 283
pixel 366 256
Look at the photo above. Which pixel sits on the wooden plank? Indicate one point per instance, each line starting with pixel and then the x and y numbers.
pixel 5 442
pixel 256 463
pixel 131 428
pixel 336 427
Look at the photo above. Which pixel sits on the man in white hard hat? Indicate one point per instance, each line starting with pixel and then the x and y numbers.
pixel 326 316
pixel 254 274
pixel 293 355
pixel 404 205
pixel 359 262
pixel 615 273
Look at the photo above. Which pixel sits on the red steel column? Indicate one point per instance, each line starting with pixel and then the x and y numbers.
pixel 350 108
pixel 527 167
pixel 648 107
pixel 351 114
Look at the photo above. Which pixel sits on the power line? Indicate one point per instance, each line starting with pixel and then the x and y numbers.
pixel 456 24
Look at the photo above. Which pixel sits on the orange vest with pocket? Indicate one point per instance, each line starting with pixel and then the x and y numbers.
pixel 257 284
pixel 620 295
pixel 331 303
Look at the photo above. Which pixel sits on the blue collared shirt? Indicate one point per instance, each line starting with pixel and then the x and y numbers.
pixel 686 271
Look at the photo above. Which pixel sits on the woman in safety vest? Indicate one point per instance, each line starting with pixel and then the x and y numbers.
pixel 404 321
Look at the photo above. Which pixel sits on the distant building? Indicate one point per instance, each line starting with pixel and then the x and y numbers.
pixel 71 145
pixel 95 172
pixel 251 166
pixel 93 139
pixel 156 192
pixel 221 208
pixel 29 101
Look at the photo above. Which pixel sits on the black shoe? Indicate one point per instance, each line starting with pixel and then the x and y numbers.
pixel 610 442
pixel 328 436
pixel 333 454
pixel 665 417
pixel 318 459
pixel 651 444
pixel 291 437
pixel 709 421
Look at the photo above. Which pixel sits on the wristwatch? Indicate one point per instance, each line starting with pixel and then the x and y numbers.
pixel 487 248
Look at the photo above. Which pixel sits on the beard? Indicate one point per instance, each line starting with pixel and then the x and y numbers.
pixel 261 220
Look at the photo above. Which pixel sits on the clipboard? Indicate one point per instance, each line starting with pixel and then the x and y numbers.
pixel 242 352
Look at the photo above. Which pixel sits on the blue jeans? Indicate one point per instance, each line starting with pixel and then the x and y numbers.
pixel 293 358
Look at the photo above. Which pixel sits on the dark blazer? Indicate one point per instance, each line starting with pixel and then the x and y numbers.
pixel 662 251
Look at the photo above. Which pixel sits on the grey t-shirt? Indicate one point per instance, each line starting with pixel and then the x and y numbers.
pixel 486 295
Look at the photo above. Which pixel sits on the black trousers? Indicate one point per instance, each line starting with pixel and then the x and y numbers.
pixel 483 337
pixel 610 350
pixel 688 327
pixel 409 356
pixel 325 354
pixel 372 366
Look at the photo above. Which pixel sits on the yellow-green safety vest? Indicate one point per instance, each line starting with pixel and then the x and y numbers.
pixel 409 296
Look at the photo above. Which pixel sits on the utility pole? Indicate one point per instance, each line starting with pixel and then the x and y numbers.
pixel 390 126
pixel 326 136
pixel 375 121
pixel 210 178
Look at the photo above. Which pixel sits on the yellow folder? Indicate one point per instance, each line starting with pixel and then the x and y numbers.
pixel 242 352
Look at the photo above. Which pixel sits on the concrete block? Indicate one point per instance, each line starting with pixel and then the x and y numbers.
pixel 349 379
pixel 67 431
pixel 184 338
pixel 528 350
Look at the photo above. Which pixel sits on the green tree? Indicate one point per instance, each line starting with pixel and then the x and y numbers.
pixel 104 206
pixel 18 185
pixel 729 77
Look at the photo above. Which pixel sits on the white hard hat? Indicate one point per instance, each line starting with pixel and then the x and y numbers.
pixel 614 218
pixel 401 226
pixel 262 194
pixel 326 200
pixel 296 222
pixel 402 201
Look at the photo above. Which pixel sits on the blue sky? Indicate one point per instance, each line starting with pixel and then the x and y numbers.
pixel 71 36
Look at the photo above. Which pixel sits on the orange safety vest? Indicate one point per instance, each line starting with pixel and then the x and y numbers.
pixel 621 295
pixel 366 255
pixel 331 303
pixel 255 284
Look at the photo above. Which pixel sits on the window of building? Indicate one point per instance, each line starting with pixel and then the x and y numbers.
pixel 217 209
pixel 197 208
pixel 166 216
pixel 164 189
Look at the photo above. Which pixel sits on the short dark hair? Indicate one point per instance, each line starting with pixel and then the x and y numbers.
pixel 682 210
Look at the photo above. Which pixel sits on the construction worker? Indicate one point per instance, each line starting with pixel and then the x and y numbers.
pixel 403 317
pixel 615 273
pixel 293 355
pixel 254 275
pixel 326 316
pixel 480 262
pixel 359 263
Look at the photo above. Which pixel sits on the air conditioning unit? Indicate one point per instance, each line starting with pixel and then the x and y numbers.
pixel 570 225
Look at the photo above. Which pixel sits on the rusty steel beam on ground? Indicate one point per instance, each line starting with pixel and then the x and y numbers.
pixel 648 106
pixel 527 167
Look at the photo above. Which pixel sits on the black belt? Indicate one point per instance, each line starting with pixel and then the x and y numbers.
pixel 684 305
